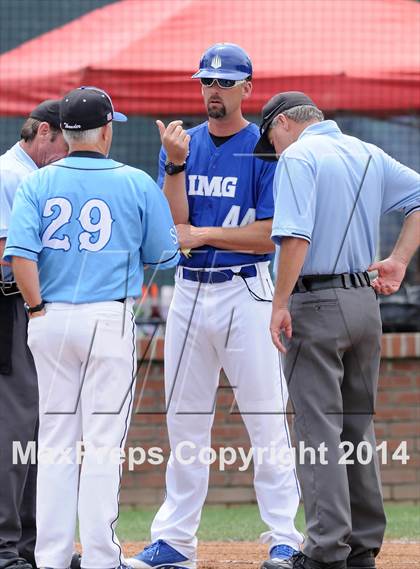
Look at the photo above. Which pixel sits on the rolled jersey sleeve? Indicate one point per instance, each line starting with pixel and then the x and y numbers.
pixel 24 234
pixel 160 243
pixel 265 198
pixel 295 199
pixel 401 187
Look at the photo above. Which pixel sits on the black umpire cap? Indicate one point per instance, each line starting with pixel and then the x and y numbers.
pixel 48 111
pixel 275 106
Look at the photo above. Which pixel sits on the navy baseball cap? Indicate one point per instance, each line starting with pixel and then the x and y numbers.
pixel 86 108
pixel 48 111
pixel 275 106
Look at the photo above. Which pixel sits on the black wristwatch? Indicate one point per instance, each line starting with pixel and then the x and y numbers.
pixel 171 168
pixel 32 309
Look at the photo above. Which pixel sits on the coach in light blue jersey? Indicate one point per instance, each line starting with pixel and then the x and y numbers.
pixel 88 224
pixel 331 190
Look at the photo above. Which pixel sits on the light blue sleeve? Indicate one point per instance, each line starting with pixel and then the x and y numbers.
pixel 160 242
pixel 9 181
pixel 401 187
pixel 24 235
pixel 295 199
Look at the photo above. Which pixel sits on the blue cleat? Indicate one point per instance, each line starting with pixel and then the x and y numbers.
pixel 160 555
pixel 280 557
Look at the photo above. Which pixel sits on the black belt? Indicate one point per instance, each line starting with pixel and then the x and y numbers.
pixel 219 276
pixel 9 305
pixel 312 283
pixel 120 300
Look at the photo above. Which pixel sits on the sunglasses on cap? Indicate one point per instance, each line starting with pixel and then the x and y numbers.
pixel 223 83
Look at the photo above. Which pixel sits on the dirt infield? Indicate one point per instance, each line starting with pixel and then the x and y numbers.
pixel 247 555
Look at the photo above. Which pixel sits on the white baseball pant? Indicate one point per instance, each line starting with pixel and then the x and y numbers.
pixel 85 357
pixel 224 327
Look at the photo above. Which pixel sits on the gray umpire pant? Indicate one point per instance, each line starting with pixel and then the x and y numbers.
pixel 332 367
pixel 18 422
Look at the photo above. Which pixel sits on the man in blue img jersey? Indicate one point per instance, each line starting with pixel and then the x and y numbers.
pixel 222 202
pixel 81 231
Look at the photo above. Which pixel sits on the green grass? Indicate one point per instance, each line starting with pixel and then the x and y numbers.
pixel 242 523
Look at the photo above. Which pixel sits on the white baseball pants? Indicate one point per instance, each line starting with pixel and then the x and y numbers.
pixel 209 327
pixel 85 358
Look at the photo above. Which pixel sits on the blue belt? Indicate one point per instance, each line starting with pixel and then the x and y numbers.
pixel 211 277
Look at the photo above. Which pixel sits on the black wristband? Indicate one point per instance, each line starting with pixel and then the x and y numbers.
pixel 171 168
pixel 37 308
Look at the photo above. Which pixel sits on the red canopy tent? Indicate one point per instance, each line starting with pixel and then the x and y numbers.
pixel 358 55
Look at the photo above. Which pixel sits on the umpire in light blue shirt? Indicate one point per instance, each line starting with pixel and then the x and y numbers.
pixel 330 192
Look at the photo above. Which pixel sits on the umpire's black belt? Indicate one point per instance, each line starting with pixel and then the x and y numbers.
pixel 312 283
pixel 219 276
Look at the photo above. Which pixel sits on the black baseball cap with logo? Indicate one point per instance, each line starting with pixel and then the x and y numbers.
pixel 48 111
pixel 275 106
pixel 86 108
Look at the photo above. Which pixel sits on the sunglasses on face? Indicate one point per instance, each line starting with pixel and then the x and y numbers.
pixel 223 83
